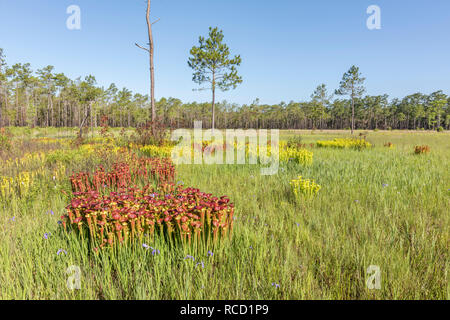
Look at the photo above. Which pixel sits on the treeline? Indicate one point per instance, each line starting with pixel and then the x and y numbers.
pixel 45 98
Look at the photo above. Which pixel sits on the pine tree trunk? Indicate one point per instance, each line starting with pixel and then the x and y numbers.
pixel 152 67
pixel 213 100
pixel 1 106
pixel 353 113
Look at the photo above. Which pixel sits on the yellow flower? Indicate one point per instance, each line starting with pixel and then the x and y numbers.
pixel 342 143
pixel 304 187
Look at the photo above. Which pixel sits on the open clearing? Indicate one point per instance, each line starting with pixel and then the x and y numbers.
pixel 380 206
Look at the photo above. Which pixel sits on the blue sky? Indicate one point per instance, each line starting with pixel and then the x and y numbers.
pixel 288 47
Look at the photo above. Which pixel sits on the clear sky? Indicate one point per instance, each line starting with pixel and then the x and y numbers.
pixel 288 47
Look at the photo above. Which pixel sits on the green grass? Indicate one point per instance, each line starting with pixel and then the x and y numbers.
pixel 384 207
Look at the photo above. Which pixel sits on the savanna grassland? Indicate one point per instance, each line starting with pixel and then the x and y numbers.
pixel 378 205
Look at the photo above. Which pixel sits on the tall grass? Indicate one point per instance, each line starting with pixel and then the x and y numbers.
pixel 380 206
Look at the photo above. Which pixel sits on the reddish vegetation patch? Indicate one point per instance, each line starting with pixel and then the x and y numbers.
pixel 130 213
pixel 124 175
pixel 175 212
pixel 421 149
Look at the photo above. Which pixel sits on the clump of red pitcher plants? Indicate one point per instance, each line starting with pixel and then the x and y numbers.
pixel 124 175
pixel 131 214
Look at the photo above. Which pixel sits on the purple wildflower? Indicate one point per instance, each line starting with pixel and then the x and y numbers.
pixel 276 285
pixel 189 257
pixel 61 251
pixel 210 253
pixel 154 251
pixel 200 263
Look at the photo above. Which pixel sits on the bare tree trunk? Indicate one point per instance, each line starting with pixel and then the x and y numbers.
pixel 213 100
pixel 121 116
pixel 52 111
pixel 150 51
pixel 79 115
pixel 92 122
pixel 48 110
pixel 88 113
pixel 58 120
pixel 64 119
pixel 25 108
pixel 152 67
pixel 353 112
pixel 6 104
pixel 17 107
pixel 1 105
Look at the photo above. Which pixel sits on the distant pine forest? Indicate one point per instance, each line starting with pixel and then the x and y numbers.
pixel 44 98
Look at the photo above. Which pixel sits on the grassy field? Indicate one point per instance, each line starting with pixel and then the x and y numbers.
pixel 381 206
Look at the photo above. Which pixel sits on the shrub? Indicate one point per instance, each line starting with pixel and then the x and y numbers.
pixel 77 142
pixel 61 156
pixel 301 156
pixel 104 131
pixel 5 143
pixel 342 143
pixel 294 142
pixel 157 151
pixel 421 149
pixel 440 129
pixel 150 133
pixel 5 140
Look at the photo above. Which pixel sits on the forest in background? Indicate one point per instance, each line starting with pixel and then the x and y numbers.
pixel 45 98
